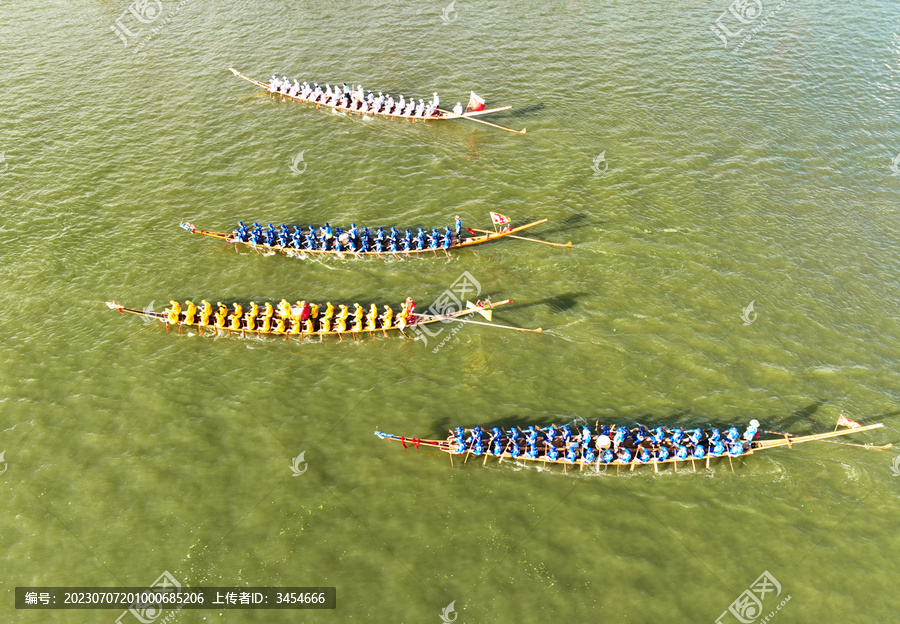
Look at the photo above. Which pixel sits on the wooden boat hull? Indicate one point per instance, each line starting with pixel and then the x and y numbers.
pixel 467 241
pixel 341 109
pixel 450 447
pixel 295 332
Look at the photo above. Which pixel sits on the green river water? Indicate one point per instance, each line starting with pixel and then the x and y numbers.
pixel 693 178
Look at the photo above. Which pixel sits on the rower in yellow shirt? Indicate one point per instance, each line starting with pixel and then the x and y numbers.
pixel 387 318
pixel 190 312
pixel 341 320
pixel 251 315
pixel 372 318
pixel 221 315
pixel 173 312
pixel 237 315
pixel 358 315
pixel 205 313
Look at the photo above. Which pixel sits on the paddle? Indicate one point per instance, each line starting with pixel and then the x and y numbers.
pixel 487 123
pixel 533 240
pixel 459 320
pixel 865 446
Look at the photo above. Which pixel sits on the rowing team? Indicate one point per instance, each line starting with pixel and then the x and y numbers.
pixel 358 99
pixel 610 444
pixel 304 318
pixel 327 238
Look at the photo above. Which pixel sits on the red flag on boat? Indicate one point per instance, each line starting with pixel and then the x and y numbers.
pixel 475 103
pixel 403 441
pixel 498 219
pixel 843 421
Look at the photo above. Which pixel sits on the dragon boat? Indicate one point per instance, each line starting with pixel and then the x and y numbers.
pixel 606 446
pixel 306 320
pixel 304 246
pixel 438 115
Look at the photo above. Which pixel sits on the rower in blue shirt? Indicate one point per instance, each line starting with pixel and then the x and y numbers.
pixel 552 453
pixel 379 236
pixel 240 234
pixel 751 431
pixel 284 236
pixel 585 436
pixel 270 236
pixel 662 454
pixel 256 235
pixel 588 455
pixel 571 454
pixel 624 455
pixel 448 237
pixel 531 451
pixel 640 434
pixel 434 240
pixel 354 233
pixel 365 239
pixel 379 246
pixel 457 226
pixel 607 457
pixel 696 436
pixel 732 434
pixel 297 238
pixel 550 434
pixel 392 245
pixel 681 451
pixel 643 455
pixel 420 240
pixel 658 435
